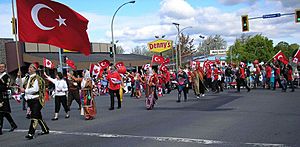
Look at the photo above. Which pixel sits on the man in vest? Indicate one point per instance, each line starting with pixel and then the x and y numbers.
pixel 4 99
pixel 33 88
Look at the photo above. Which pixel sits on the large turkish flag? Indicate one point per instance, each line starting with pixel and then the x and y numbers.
pixel 49 22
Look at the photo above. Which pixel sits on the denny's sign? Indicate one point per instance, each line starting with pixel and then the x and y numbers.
pixel 160 45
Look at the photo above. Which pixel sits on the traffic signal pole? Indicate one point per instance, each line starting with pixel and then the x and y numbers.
pixel 245 19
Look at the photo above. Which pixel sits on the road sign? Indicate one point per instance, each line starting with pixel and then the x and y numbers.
pixel 271 15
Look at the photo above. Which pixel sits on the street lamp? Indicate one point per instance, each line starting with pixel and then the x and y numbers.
pixel 178 50
pixel 112 29
pixel 202 37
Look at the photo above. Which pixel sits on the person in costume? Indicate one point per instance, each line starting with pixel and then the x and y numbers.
pixel 4 99
pixel 88 102
pixel 73 93
pixel 61 88
pixel 34 90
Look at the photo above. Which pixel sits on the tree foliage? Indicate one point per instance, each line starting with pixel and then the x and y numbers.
pixel 286 48
pixel 250 48
pixel 212 43
pixel 258 47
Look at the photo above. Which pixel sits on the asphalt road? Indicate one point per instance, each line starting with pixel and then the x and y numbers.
pixel 258 118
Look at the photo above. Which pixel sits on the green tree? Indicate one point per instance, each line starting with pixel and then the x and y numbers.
pixel 250 48
pixel 287 49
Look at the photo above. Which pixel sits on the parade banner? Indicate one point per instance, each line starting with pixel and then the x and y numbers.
pixel 160 45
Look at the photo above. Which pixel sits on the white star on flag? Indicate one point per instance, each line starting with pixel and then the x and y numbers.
pixel 61 21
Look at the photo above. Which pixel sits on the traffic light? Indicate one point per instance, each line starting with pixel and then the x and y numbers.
pixel 111 53
pixel 297 16
pixel 245 23
pixel 14 25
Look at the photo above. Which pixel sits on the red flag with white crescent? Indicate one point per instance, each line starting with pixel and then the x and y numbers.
pixel 50 22
pixel 163 68
pixel 71 63
pixel 281 57
pixel 157 59
pixel 104 64
pixel 119 65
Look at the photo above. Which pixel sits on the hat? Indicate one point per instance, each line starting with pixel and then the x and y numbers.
pixel 35 65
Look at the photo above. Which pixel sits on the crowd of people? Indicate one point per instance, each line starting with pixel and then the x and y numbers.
pixel 148 82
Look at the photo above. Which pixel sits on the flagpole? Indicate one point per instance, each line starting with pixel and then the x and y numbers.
pixel 60 69
pixel 296 53
pixel 273 56
pixel 15 34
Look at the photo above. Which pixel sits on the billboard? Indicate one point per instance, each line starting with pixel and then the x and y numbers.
pixel 160 45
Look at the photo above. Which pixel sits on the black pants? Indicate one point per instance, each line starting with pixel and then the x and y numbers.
pixel 112 98
pixel 9 119
pixel 215 86
pixel 201 87
pixel 277 80
pixel 268 83
pixel 36 116
pixel 241 82
pixel 61 100
pixel 132 90
pixel 73 95
pixel 185 91
pixel 292 85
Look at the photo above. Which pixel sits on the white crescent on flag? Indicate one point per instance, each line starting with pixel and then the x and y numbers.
pixel 280 56
pixel 34 15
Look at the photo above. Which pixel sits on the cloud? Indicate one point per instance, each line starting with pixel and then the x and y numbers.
pixel 5 23
pixel 288 3
pixel 235 2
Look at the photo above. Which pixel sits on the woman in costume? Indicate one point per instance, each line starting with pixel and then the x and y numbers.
pixel 88 102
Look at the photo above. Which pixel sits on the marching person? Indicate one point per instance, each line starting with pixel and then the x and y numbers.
pixel 73 93
pixel 60 90
pixel 240 75
pixel 4 99
pixel 88 101
pixel 33 87
pixel 277 76
pixel 182 80
pixel 290 77
pixel 114 79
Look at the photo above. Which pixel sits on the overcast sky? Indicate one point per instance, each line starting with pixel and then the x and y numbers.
pixel 137 24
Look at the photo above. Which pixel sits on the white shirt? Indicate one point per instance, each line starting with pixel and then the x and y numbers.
pixel 29 91
pixel 61 86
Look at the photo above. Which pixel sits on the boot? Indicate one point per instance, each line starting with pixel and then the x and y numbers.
pixel 55 116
